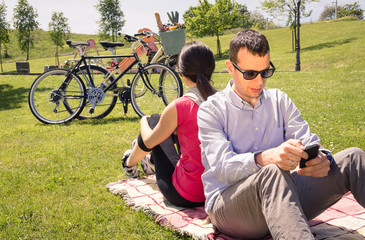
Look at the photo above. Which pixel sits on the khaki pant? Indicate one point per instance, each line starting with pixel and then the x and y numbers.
pixel 278 202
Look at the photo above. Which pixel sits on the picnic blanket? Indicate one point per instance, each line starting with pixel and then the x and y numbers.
pixel 344 220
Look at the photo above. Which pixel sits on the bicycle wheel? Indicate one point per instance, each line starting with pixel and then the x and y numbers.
pixel 106 100
pixel 170 86
pixel 166 86
pixel 54 93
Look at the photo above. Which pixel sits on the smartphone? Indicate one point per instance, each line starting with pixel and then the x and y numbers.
pixel 312 151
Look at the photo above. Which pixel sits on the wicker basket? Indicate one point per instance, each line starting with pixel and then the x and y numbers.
pixel 172 41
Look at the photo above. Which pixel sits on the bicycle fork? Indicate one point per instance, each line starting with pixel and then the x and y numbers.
pixel 145 78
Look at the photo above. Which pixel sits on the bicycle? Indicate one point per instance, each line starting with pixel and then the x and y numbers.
pixel 60 95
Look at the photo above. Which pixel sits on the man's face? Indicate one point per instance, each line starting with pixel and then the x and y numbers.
pixel 248 90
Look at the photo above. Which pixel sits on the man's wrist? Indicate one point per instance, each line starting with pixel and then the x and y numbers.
pixel 258 158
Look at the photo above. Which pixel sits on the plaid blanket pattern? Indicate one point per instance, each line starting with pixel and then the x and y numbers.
pixel 344 220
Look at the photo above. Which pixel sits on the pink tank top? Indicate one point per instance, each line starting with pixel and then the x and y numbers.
pixel 187 175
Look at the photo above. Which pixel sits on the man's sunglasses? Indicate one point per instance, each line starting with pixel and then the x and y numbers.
pixel 251 74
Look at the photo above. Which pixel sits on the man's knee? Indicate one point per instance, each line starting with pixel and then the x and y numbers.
pixel 349 156
pixel 274 171
pixel 357 152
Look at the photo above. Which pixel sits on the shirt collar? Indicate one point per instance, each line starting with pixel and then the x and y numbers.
pixel 238 101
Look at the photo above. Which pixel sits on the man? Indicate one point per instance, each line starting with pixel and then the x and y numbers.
pixel 252 140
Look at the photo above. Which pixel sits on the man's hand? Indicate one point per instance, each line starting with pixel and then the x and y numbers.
pixel 287 155
pixel 316 167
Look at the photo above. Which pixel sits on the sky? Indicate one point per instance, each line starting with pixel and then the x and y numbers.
pixel 83 16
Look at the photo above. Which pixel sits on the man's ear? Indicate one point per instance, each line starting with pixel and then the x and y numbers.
pixel 230 67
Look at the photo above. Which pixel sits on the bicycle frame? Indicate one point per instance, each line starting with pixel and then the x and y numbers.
pixel 160 53
pixel 84 61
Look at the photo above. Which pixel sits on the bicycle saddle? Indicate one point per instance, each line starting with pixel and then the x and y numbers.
pixel 107 45
pixel 75 44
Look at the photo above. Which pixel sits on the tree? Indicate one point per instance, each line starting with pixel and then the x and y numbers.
pixel 25 23
pixel 59 31
pixel 286 8
pixel 211 20
pixel 259 21
pixel 292 10
pixel 112 18
pixel 4 31
pixel 329 13
pixel 351 10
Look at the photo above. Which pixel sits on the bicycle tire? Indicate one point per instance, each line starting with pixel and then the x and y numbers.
pixel 170 87
pixel 156 100
pixel 50 97
pixel 98 74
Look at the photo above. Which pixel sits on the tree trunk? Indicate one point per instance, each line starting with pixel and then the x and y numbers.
pixel 6 55
pixel 297 65
pixel 28 46
pixel 292 40
pixel 1 60
pixel 219 52
pixel 57 61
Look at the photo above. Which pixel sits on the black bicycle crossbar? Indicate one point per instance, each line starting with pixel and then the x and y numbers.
pixel 110 56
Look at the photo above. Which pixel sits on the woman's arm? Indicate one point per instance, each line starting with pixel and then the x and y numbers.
pixel 152 137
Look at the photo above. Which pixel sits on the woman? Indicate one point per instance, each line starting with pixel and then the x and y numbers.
pixel 178 175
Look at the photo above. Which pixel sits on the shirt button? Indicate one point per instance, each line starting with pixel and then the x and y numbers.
pixel 255 148
pixel 257 129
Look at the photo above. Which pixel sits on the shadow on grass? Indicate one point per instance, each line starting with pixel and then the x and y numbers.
pixel 95 122
pixel 107 120
pixel 328 44
pixel 11 98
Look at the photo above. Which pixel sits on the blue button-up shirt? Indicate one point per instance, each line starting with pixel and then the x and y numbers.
pixel 231 132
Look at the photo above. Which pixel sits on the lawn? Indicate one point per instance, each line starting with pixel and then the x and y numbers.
pixel 53 177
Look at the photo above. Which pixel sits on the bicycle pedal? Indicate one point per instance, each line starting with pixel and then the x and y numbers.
pixel 91 110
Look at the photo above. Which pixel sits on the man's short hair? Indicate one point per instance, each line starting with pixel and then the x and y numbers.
pixel 254 41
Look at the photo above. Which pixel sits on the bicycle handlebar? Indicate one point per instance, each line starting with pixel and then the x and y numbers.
pixel 135 40
pixel 129 38
pixel 146 34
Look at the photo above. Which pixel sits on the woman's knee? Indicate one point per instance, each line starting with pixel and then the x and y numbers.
pixel 153 120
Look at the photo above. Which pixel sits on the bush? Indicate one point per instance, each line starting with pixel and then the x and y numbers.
pixel 348 18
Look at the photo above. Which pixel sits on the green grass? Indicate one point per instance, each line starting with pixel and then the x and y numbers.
pixel 52 178
pixel 43 51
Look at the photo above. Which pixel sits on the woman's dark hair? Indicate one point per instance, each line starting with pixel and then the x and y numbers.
pixel 196 62
pixel 254 41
